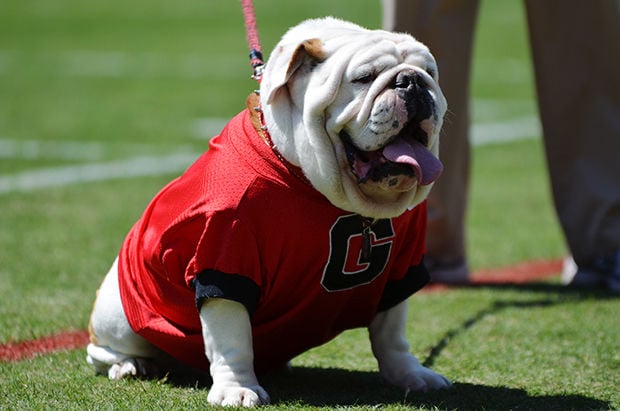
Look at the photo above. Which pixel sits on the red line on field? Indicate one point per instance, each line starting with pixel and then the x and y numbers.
pixel 517 274
pixel 520 273
pixel 22 350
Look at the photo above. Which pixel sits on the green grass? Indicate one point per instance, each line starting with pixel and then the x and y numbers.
pixel 133 78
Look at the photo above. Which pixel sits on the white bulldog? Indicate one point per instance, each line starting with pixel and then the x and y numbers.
pixel 214 275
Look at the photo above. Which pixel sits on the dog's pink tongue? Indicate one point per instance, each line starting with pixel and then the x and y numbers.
pixel 428 167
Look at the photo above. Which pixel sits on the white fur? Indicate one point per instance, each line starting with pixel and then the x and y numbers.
pixel 304 110
pixel 227 335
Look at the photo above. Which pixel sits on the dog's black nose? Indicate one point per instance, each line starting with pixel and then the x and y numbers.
pixel 412 88
pixel 408 81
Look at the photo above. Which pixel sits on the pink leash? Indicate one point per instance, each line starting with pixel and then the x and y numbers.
pixel 256 55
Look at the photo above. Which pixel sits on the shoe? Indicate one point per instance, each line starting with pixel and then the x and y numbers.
pixel 451 274
pixel 603 272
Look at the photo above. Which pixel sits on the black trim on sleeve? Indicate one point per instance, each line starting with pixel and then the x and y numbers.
pixel 397 291
pixel 215 284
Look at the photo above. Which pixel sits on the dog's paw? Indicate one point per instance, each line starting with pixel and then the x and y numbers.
pixel 406 372
pixel 133 367
pixel 422 379
pixel 235 396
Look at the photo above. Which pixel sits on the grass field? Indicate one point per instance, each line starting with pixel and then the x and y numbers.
pixel 103 103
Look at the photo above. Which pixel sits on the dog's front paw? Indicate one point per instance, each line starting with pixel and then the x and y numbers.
pixel 236 396
pixel 405 371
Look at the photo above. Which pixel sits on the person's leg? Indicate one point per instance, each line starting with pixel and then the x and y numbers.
pixel 447 28
pixel 577 65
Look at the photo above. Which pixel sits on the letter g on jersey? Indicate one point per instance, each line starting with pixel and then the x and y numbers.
pixel 346 268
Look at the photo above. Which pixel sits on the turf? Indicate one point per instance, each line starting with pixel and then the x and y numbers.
pixel 85 83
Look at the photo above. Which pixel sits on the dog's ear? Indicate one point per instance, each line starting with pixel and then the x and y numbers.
pixel 287 60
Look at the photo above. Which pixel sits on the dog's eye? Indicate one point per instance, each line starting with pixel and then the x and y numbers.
pixel 431 72
pixel 365 78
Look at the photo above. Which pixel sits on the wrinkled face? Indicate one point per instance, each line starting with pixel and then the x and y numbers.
pixel 360 112
pixel 388 116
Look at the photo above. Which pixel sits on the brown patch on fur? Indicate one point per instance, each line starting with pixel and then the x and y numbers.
pixel 312 48
pixel 253 105
pixel 91 333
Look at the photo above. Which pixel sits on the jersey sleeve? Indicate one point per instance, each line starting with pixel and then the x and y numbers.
pixel 397 291
pixel 215 284
pixel 226 263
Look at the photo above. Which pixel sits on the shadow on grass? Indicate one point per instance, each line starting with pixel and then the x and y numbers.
pixel 556 295
pixel 331 388
pixel 563 292
pixel 334 387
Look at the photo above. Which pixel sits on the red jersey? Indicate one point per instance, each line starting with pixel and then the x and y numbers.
pixel 239 224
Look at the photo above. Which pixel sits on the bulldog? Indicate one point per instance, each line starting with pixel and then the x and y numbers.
pixel 305 217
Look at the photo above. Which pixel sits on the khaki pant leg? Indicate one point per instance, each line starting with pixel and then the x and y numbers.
pixel 447 28
pixel 576 51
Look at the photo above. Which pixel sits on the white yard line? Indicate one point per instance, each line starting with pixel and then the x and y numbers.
pixel 505 131
pixel 93 172
pixel 76 150
pixel 144 166
pixel 58 150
